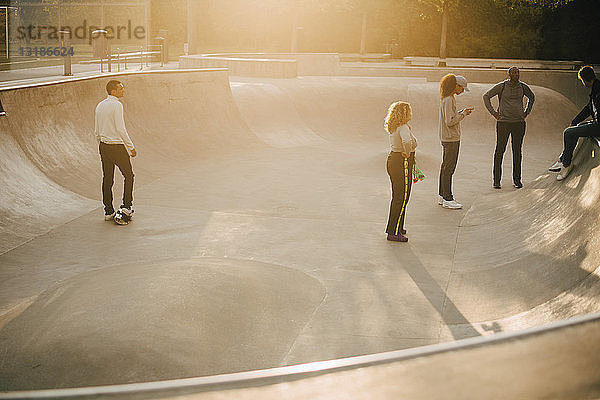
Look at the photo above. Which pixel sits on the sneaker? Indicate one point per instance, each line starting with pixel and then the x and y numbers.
pixel 403 231
pixel 123 216
pixel 452 204
pixel 518 184
pixel 564 171
pixel 397 238
pixel 127 211
pixel 109 217
pixel 440 200
pixel 496 186
pixel 556 167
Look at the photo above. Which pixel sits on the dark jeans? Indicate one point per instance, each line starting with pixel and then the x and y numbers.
pixel 399 169
pixel 517 132
pixel 572 134
pixel 111 155
pixel 449 160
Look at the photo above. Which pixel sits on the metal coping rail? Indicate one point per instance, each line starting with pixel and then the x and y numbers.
pixel 295 372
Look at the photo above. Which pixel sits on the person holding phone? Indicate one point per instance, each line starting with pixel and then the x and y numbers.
pixel 510 121
pixel 449 131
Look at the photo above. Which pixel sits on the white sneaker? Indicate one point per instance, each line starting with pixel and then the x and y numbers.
pixel 452 204
pixel 555 167
pixel 109 217
pixel 127 211
pixel 564 171
pixel 440 200
pixel 123 216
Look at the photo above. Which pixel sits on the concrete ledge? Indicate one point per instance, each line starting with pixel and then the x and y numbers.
pixel 272 65
pixel 494 63
pixel 369 57
pixel 563 81
pixel 63 79
pixel 237 66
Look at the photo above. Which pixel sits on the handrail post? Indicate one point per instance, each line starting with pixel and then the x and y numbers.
pixel 65 43
pixel 109 58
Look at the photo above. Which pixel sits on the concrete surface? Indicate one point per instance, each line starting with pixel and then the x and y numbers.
pixel 277 68
pixel 23 76
pixel 496 63
pixel 252 250
pixel 558 360
pixel 558 75
pixel 273 65
pixel 563 81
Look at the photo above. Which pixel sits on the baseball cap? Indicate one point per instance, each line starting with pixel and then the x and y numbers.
pixel 462 81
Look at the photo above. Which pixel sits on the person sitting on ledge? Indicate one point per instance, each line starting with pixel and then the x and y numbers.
pixel 578 129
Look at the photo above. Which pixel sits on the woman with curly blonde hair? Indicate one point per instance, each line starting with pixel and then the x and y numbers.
pixel 399 165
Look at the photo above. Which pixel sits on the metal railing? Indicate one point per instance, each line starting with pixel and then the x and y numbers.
pixel 124 56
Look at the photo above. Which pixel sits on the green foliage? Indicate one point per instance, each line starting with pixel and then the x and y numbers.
pixel 549 4
pixel 476 28
pixel 495 29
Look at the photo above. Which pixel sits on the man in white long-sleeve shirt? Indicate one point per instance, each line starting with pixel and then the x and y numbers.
pixel 115 149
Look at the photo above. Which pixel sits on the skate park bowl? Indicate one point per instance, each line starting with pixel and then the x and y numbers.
pixel 256 265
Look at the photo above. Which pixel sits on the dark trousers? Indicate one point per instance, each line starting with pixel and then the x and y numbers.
pixel 572 134
pixel 111 155
pixel 399 169
pixel 516 130
pixel 449 160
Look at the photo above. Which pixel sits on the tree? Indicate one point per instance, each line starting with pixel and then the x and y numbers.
pixel 445 7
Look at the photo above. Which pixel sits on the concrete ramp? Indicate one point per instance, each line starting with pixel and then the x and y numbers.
pixel 259 243
pixel 539 246
pixel 187 306
pixel 32 203
pixel 272 115
pixel 558 361
pixel 48 140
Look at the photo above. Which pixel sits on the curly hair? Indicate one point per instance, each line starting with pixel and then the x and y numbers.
pixel 399 113
pixel 447 85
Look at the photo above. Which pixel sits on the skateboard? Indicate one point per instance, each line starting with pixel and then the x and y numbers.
pixel 121 218
pixel 417 174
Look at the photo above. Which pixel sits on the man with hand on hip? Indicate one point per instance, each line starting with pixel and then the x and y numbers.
pixel 115 149
pixel 510 118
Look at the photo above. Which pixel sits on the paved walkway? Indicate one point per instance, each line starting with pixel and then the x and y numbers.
pixel 26 76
